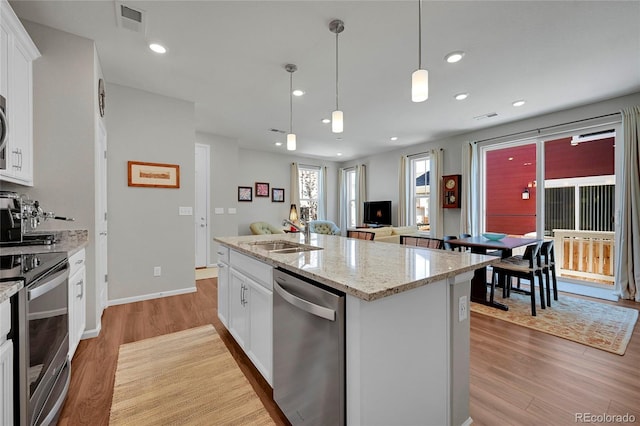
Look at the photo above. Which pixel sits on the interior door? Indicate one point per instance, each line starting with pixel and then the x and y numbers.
pixel 201 214
pixel 101 220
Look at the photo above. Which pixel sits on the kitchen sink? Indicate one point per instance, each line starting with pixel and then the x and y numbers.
pixel 281 246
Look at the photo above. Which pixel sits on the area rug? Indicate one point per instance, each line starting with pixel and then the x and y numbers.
pixel 183 378
pixel 594 324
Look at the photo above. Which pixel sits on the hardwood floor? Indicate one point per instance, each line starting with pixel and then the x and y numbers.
pixel 518 376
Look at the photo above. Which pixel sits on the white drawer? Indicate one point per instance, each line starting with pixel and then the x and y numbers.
pixel 223 254
pixel 76 261
pixel 253 268
pixel 5 319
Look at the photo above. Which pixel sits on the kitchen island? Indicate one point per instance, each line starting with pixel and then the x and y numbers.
pixel 407 322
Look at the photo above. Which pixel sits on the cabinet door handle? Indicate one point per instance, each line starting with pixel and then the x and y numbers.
pixel 79 284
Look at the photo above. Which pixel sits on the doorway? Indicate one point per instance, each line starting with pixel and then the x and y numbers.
pixel 202 203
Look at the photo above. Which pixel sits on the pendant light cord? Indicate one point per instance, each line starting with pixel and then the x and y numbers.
pixel 419 34
pixel 291 102
pixel 337 72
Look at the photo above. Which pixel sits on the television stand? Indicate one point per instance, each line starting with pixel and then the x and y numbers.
pixel 371 225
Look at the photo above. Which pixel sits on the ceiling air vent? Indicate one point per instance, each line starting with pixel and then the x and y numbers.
pixel 488 115
pixel 130 18
pixel 277 131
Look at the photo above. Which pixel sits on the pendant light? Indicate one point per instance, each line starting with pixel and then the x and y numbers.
pixel 337 124
pixel 420 77
pixel 291 137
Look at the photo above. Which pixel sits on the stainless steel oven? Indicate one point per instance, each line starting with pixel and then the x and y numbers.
pixel 3 132
pixel 40 331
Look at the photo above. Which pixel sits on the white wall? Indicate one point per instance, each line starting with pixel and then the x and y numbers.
pixel 145 229
pixel 383 169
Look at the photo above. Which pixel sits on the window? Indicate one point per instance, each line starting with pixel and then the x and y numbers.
pixel 351 198
pixel 309 183
pixel 420 192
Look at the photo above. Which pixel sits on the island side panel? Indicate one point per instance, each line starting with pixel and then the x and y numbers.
pixel 398 358
pixel 460 286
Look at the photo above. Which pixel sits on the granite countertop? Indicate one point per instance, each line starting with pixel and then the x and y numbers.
pixel 368 270
pixel 69 241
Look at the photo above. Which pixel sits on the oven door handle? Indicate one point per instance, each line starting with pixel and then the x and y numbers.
pixel 4 129
pixel 49 284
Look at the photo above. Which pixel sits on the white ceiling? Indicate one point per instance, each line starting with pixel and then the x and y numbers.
pixel 228 57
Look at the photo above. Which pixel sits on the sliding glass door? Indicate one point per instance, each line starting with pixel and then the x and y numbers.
pixel 559 187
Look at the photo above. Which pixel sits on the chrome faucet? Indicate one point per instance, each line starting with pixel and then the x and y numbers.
pixel 305 231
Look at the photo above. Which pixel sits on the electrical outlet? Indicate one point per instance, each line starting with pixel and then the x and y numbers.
pixel 157 271
pixel 463 308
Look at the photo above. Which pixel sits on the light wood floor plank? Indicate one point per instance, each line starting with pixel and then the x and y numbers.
pixel 518 376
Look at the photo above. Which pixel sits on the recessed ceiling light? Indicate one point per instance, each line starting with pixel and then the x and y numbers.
pixel 454 57
pixel 158 48
pixel 518 103
pixel 394 138
pixel 278 144
pixel 461 96
pixel 326 120
pixel 339 154
pixel 298 92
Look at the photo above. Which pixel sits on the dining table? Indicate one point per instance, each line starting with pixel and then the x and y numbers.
pixel 481 245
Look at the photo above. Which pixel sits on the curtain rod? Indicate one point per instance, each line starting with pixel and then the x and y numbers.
pixel 422 153
pixel 547 127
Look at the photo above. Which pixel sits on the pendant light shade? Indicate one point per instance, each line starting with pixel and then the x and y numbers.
pixel 291 137
pixel 420 85
pixel 420 77
pixel 337 123
pixel 291 142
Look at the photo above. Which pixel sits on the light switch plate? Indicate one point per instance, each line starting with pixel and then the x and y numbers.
pixel 185 211
pixel 219 210
pixel 231 210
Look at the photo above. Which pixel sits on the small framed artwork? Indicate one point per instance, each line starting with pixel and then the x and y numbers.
pixel 153 175
pixel 277 195
pixel 262 189
pixel 245 193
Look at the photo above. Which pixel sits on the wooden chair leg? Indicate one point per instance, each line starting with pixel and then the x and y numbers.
pixel 555 282
pixel 547 283
pixel 541 285
pixel 533 297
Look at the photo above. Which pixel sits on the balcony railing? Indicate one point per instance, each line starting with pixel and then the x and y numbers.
pixel 586 255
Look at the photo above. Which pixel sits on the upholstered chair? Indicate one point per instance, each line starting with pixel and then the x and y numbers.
pixel 259 228
pixel 323 227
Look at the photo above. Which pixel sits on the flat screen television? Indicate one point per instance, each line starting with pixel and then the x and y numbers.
pixel 377 212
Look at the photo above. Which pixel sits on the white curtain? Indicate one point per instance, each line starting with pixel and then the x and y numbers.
pixel 361 192
pixel 322 194
pixel 402 192
pixel 469 202
pixel 294 192
pixel 436 213
pixel 628 248
pixel 342 203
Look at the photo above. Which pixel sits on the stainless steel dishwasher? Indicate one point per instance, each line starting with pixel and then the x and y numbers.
pixel 308 351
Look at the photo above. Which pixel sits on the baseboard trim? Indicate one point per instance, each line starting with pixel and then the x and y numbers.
pixel 151 296
pixel 468 422
pixel 90 334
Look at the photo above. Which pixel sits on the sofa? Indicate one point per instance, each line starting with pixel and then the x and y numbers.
pixel 391 234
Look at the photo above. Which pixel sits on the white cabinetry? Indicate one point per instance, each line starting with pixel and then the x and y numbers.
pixel 77 300
pixel 6 366
pixel 17 53
pixel 223 285
pixel 250 319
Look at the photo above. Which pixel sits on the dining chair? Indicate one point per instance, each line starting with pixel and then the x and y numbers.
pixel 548 258
pixel 361 235
pixel 461 236
pixel 426 242
pixel 527 266
pixel 448 246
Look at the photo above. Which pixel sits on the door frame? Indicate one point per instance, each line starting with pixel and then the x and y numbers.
pixel 206 174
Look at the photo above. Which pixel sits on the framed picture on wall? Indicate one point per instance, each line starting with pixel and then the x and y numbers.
pixel 277 195
pixel 262 189
pixel 245 193
pixel 153 175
